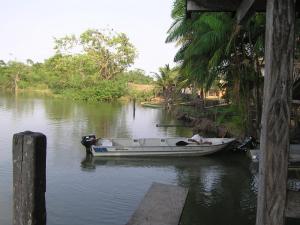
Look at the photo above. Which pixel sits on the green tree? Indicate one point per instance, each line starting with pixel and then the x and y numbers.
pixel 166 82
pixel 14 73
pixel 110 52
pixel 137 76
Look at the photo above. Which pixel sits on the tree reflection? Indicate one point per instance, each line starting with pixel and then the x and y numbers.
pixel 219 187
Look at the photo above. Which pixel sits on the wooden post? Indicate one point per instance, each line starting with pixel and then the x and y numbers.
pixel 134 108
pixel 274 142
pixel 29 178
pixel 245 10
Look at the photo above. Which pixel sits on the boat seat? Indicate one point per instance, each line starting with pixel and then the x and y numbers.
pixel 125 142
pixel 154 142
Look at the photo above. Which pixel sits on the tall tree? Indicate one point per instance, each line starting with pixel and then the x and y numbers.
pixel 110 52
pixel 166 81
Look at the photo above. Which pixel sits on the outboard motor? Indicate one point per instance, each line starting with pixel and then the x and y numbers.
pixel 87 141
pixel 249 143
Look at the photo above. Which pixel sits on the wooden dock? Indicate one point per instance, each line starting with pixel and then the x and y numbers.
pixel 294 154
pixel 162 205
pixel 173 125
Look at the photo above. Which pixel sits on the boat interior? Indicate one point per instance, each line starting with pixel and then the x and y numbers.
pixel 154 141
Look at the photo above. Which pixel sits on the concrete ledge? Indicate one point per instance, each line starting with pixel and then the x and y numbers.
pixel 162 205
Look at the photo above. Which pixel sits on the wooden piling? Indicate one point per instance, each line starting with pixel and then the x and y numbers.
pixel 134 108
pixel 29 178
pixel 293 204
pixel 274 141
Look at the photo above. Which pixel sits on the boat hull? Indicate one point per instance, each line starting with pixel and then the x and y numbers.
pixel 167 150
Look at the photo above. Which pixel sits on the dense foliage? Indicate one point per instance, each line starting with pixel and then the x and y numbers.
pixel 214 49
pixel 167 83
pixel 93 67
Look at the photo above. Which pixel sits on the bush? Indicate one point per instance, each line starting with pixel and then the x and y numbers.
pixel 136 76
pixel 105 90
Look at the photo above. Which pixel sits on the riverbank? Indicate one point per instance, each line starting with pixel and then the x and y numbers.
pixel 216 121
pixel 212 122
pixel 107 92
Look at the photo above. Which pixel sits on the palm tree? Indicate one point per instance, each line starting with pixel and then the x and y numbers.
pixel 166 83
pixel 213 48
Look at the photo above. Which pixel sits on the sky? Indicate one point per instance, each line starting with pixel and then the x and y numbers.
pixel 29 26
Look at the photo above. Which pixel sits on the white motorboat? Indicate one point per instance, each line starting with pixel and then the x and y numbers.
pixel 153 146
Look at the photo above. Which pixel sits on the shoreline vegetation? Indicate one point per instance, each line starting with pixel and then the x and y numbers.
pixel 130 93
pixel 94 66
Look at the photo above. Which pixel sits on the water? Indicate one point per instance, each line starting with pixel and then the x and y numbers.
pixel 107 191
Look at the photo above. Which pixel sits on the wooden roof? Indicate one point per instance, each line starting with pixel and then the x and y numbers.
pixel 243 8
pixel 222 5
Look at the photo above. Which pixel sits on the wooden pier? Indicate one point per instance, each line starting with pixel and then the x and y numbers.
pixel 162 205
pixel 29 178
pixel 294 154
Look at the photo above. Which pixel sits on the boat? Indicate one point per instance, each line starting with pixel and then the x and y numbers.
pixel 151 105
pixel 179 146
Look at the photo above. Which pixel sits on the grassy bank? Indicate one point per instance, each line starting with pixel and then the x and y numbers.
pixel 104 91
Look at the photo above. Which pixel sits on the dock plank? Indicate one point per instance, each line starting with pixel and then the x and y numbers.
pixel 293 204
pixel 162 205
pixel 294 154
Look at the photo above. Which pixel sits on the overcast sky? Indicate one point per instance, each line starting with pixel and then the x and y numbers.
pixel 28 26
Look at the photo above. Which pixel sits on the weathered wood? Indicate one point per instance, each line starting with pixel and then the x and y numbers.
pixel 221 5
pixel 294 154
pixel 274 142
pixel 255 154
pixel 293 204
pixel 162 205
pixel 217 106
pixel 212 5
pixel 134 108
pixel 296 102
pixel 225 5
pixel 29 178
pixel 173 125
pixel 245 10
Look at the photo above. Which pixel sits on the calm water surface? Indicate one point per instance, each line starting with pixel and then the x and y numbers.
pixel 83 191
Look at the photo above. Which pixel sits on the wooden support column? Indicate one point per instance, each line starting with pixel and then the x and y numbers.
pixel 245 10
pixel 293 204
pixel 29 178
pixel 274 142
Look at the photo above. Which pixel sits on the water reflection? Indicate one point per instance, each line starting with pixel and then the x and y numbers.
pixel 114 191
pixel 107 191
pixel 217 185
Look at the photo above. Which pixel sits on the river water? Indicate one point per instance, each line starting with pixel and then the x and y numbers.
pixel 80 191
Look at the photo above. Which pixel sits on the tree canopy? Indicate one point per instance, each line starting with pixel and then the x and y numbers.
pixel 108 52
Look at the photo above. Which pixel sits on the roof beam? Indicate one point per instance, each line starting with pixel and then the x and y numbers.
pixel 212 5
pixel 245 10
pixel 228 6
pixel 192 6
